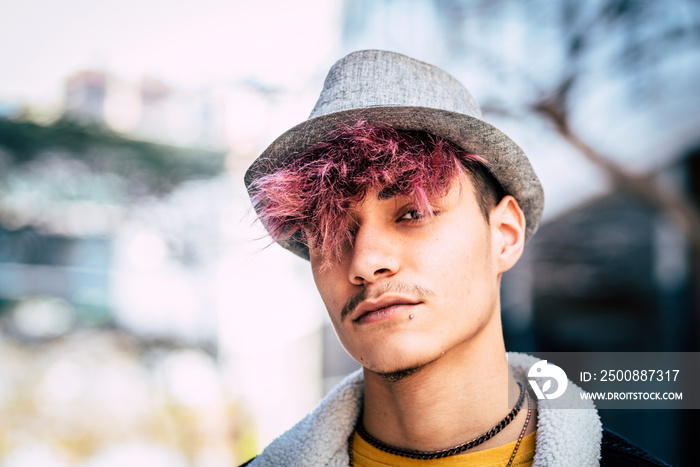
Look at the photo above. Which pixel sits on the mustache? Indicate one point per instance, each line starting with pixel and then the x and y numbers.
pixel 413 291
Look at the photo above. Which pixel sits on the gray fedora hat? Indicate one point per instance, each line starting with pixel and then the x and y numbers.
pixel 406 94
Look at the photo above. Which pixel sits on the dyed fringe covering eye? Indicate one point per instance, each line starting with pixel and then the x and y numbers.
pixel 311 196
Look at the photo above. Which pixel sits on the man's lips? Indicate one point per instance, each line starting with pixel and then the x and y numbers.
pixel 385 303
pixel 382 296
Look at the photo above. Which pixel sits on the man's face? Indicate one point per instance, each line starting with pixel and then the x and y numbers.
pixel 439 270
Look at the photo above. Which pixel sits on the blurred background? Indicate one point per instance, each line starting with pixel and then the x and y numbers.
pixel 144 317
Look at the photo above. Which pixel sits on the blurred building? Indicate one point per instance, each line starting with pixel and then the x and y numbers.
pixel 67 194
pixel 616 274
pixel 115 233
pixel 146 108
pixel 65 190
pixel 53 282
pixel 85 96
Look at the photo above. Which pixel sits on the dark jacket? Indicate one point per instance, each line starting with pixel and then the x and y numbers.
pixel 616 451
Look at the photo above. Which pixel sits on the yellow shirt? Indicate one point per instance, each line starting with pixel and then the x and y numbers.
pixel 366 455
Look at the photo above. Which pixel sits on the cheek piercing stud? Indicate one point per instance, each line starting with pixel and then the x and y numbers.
pixel 410 317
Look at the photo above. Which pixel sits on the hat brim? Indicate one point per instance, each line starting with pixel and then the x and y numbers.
pixel 506 160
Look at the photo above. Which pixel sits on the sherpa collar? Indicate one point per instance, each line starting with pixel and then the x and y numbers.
pixel 565 437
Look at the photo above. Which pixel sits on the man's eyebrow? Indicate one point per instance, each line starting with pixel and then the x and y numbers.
pixel 388 192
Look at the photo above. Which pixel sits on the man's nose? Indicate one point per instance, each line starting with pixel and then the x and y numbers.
pixel 374 256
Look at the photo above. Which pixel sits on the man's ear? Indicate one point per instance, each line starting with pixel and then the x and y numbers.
pixel 508 232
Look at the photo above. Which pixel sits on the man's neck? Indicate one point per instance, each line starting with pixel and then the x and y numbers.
pixel 450 401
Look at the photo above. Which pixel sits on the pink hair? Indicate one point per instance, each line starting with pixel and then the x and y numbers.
pixel 312 195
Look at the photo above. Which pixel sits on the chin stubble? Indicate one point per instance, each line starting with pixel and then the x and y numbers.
pixel 399 375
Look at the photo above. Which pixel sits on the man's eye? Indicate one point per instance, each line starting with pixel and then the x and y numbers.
pixel 411 215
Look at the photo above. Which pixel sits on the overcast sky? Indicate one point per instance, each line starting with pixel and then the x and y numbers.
pixel 184 42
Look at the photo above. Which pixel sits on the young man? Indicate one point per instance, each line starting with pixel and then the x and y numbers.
pixel 410 207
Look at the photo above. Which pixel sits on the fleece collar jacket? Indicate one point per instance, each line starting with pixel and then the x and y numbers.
pixel 565 437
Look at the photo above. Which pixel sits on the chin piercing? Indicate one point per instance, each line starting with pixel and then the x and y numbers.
pixel 410 316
